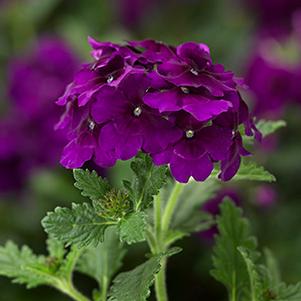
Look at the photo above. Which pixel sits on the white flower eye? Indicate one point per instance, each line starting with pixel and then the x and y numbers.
pixel 189 134
pixel 110 79
pixel 137 111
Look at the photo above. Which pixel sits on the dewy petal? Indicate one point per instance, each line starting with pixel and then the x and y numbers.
pixel 182 169
pixel 78 151
pixel 203 108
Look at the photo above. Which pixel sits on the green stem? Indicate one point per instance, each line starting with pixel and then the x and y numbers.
pixel 233 291
pixel 157 217
pixel 104 290
pixel 162 224
pixel 160 283
pixel 68 289
pixel 171 206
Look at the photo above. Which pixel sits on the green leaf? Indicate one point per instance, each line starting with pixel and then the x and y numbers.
pixel 274 277
pixel 288 292
pixel 24 267
pixel 135 284
pixel 229 266
pixel 132 228
pixel 188 217
pixel 252 172
pixel 268 127
pixel 256 286
pixel 55 248
pixel 79 225
pixel 147 181
pixel 90 183
pixel 102 262
pixel 67 266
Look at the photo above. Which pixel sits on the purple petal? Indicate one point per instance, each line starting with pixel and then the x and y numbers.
pixel 165 101
pixel 183 169
pixel 217 141
pixel 78 151
pixel 189 149
pixel 158 134
pixel 134 86
pixel 109 104
pixel 203 108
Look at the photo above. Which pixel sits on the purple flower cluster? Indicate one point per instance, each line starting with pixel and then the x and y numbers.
pixel 27 136
pixel 274 82
pixel 171 102
pixel 275 16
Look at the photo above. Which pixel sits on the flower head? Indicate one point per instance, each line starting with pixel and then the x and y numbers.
pixel 173 103
pixel 27 136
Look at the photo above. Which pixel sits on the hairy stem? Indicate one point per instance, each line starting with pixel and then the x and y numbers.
pixel 161 226
pixel 160 283
pixel 69 289
pixel 104 290
pixel 157 217
pixel 171 206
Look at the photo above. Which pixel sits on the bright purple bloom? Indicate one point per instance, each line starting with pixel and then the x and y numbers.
pixel 172 103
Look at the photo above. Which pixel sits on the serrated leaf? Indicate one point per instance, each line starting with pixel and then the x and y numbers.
pixel 102 262
pixel 229 266
pixel 147 181
pixel 79 225
pixel 135 284
pixel 55 248
pixel 288 292
pixel 274 277
pixel 132 228
pixel 252 172
pixel 67 266
pixel 256 286
pixel 24 266
pixel 188 217
pixel 268 127
pixel 90 184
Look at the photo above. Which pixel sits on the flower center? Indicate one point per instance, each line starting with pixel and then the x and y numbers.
pixel 137 111
pixel 193 71
pixel 91 125
pixel 189 134
pixel 110 79
pixel 185 90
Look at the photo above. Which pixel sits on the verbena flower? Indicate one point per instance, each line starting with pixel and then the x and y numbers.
pixel 27 136
pixel 275 15
pixel 173 103
pixel 274 76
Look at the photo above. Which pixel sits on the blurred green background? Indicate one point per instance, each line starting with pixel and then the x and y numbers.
pixel 230 28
